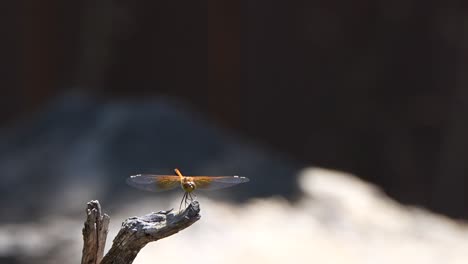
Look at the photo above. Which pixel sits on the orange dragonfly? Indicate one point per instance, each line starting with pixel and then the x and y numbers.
pixel 157 183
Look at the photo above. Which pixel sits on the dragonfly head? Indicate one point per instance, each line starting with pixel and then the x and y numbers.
pixel 188 184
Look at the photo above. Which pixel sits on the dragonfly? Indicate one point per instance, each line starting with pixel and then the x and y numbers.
pixel 158 183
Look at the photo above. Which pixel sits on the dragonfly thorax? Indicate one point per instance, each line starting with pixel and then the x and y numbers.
pixel 188 184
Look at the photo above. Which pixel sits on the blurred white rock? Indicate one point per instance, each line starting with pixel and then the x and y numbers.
pixel 339 219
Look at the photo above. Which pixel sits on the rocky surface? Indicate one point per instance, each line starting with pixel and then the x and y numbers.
pixel 80 148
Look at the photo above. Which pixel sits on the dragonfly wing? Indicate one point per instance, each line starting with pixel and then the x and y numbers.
pixel 219 182
pixel 154 183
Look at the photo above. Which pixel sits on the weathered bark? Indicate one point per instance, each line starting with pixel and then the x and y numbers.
pixel 134 234
pixel 95 231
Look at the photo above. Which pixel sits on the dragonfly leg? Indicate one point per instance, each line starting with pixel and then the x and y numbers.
pixel 184 198
pixel 192 197
pixel 187 197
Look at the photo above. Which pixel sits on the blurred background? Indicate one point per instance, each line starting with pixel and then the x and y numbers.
pixel 94 91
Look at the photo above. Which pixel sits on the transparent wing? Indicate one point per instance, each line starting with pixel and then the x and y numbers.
pixel 154 183
pixel 217 182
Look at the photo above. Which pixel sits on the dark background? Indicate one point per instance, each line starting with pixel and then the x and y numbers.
pixel 376 88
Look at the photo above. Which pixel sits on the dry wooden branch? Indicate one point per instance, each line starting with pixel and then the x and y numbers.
pixel 135 233
pixel 95 231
